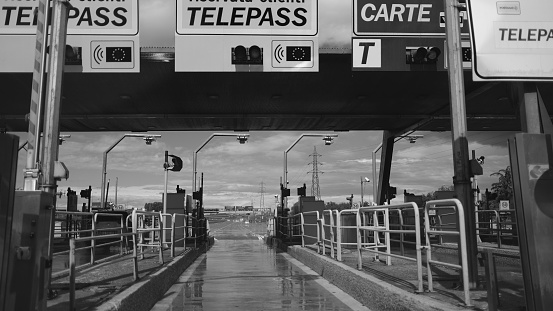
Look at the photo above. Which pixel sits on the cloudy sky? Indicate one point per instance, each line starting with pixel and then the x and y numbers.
pixel 235 174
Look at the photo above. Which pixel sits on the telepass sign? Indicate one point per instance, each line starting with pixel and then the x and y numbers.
pixel 250 17
pixel 246 35
pixel 512 40
pixel 118 17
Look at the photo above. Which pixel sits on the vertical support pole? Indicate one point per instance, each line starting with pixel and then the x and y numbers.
pixel 491 280
pixel 37 96
pixel 526 100
pixel 89 198
pixel 385 165
pixel 53 94
pixel 375 178
pixel 52 114
pixel 72 275
pixel 361 205
pixel 165 166
pixel 461 179
pixel 116 184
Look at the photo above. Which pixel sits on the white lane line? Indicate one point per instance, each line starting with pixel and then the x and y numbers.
pixel 172 293
pixel 337 292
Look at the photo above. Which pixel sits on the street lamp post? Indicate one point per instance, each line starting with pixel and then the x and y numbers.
pixel 242 138
pixel 363 180
pixel 328 138
pixel 148 138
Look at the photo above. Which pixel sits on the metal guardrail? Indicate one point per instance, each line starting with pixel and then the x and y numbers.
pixel 72 262
pixel 372 225
pixel 310 225
pixel 78 233
pixel 149 226
pixel 457 207
pixel 340 228
pixel 147 232
pixel 496 226
pixel 364 225
pixel 327 224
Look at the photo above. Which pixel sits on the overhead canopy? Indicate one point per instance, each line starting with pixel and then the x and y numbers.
pixel 333 99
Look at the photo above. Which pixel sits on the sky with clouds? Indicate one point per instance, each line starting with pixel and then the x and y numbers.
pixel 235 174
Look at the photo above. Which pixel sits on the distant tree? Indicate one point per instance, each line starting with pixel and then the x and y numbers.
pixel 154 207
pixel 433 195
pixel 446 188
pixel 503 187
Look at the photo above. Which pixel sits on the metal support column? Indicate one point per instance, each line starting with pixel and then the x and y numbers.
pixel 385 166
pixel 52 115
pixel 37 97
pixel 461 179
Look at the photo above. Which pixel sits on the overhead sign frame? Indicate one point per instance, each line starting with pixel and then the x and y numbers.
pixel 511 40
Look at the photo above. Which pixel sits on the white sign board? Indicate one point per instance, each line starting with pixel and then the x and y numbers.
pixel 116 17
pixel 503 205
pixel 366 53
pixel 512 40
pixel 249 17
pixel 214 53
pixel 211 35
pixel 93 53
pixel 103 34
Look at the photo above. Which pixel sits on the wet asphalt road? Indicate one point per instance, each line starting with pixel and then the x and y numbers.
pixel 240 272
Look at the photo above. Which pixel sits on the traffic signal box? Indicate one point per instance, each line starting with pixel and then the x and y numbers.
pixel 177 163
pixel 422 55
pixel 302 191
pixel 247 56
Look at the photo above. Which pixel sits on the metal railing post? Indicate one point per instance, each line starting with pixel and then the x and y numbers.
pixel 358 231
pixel 491 280
pixel 72 276
pixel 173 236
pixel 498 228
pixel 338 235
pixel 93 242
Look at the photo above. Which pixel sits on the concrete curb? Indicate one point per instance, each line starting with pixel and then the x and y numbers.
pixel 370 291
pixel 144 294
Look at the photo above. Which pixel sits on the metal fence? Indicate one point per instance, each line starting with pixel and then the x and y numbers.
pixel 497 226
pixel 377 227
pixel 456 209
pixel 368 222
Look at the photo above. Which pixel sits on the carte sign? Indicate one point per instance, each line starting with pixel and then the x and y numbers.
pixel 247 17
pixel 512 40
pixel 115 17
pixel 401 18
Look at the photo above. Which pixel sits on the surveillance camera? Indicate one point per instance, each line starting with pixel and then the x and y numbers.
pixel 328 140
pixel 149 140
pixel 367 179
pixel 242 139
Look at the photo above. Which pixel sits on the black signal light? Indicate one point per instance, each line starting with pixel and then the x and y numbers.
pixel 247 56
